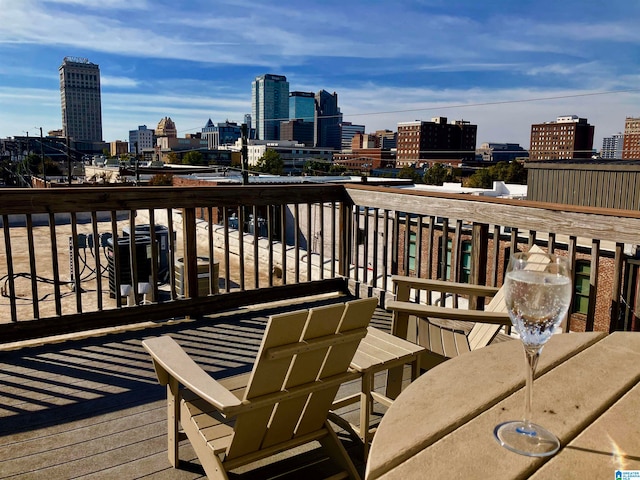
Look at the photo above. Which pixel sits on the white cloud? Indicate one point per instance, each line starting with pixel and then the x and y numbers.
pixel 118 82
pixel 102 4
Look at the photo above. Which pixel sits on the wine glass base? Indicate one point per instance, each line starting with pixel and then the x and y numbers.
pixel 534 441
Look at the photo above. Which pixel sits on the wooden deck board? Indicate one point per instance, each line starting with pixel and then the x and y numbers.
pixel 92 408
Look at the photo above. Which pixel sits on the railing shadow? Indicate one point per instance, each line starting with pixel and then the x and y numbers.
pixel 53 384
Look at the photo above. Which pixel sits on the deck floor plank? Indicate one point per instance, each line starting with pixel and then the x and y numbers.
pixel 92 408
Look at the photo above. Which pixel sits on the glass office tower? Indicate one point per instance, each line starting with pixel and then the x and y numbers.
pixel 269 105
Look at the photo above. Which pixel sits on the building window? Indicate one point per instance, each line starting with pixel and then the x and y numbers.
pixel 465 261
pixel 582 287
pixel 412 251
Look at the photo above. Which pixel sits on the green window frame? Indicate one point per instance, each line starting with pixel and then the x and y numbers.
pixel 582 286
pixel 465 261
pixel 412 251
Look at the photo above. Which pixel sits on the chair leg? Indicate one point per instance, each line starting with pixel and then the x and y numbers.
pixel 211 462
pixel 173 420
pixel 366 406
pixel 394 382
pixel 336 450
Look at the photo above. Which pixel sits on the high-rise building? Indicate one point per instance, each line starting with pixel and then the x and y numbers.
pixel 567 138
pixel 140 139
pixel 297 130
pixel 211 135
pixel 339 136
pixel 225 133
pixel 328 115
pixel 612 147
pixel 423 142
pixel 118 147
pixel 387 139
pixel 269 105
pixel 80 100
pixel 166 128
pixel 631 144
pixel 302 105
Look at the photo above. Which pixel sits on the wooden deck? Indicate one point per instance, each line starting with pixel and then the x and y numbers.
pixel 92 408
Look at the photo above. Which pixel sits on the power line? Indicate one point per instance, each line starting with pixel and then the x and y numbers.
pixel 462 105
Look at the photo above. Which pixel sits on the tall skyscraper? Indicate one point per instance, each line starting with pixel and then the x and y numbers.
pixel 328 115
pixel 567 138
pixel 80 99
pixel 269 105
pixel 631 145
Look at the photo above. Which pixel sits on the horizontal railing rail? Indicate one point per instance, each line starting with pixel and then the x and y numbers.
pixel 86 257
pixel 481 232
pixel 76 255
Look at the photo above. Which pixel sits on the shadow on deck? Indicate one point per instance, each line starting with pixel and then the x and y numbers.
pixel 92 408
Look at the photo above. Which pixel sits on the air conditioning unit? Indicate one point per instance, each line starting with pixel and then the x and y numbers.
pixel 143 262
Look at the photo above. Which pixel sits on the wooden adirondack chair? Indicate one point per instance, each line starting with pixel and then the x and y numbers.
pixel 302 361
pixel 441 342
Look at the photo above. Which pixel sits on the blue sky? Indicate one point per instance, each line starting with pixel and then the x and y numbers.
pixel 500 64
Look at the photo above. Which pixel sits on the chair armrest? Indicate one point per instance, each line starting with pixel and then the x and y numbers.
pixel 444 286
pixel 420 310
pixel 171 361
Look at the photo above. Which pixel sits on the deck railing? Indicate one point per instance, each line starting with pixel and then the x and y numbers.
pixel 71 260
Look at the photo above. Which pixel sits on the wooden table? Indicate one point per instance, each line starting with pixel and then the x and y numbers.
pixel 378 351
pixel 586 392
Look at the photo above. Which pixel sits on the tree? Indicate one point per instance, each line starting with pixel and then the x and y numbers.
pixel 316 167
pixel 172 157
pixel 270 162
pixel 409 172
pixel 52 167
pixel 480 179
pixel 194 158
pixel 516 173
pixel 513 172
pixel 437 174
pixel 161 179
pixel 337 169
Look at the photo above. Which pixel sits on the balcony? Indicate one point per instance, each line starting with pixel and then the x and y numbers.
pixel 218 260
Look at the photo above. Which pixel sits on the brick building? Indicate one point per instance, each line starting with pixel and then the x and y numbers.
pixel 566 138
pixel 455 265
pixel 423 143
pixel 631 139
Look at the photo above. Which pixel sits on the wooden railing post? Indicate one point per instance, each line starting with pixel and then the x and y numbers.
pixel 344 238
pixel 479 253
pixel 190 252
pixel 616 288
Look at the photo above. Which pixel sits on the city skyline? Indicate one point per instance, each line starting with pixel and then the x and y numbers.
pixel 501 66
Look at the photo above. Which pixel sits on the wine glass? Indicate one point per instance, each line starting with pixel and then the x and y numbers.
pixel 537 291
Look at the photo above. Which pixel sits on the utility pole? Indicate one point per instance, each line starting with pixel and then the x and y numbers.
pixel 136 160
pixel 245 156
pixel 68 159
pixel 44 170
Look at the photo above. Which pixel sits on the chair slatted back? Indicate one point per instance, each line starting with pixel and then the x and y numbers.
pixel 482 333
pixel 298 351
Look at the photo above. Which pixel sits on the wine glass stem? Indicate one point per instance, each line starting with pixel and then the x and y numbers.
pixel 532 354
